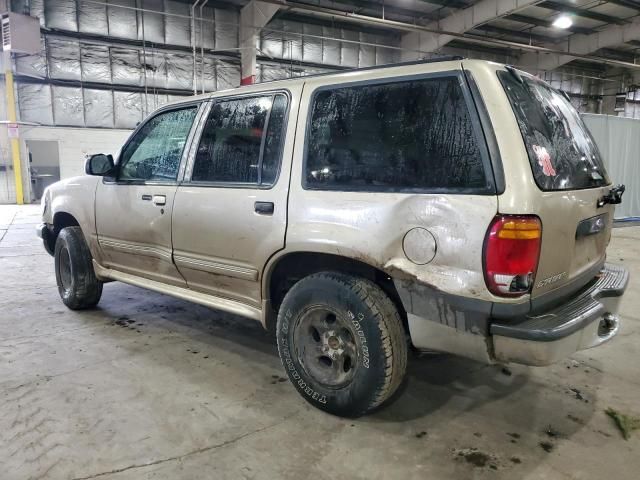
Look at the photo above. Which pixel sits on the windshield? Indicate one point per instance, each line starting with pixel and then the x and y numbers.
pixel 562 153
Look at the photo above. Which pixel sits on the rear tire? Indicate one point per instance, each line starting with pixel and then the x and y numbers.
pixel 77 283
pixel 342 343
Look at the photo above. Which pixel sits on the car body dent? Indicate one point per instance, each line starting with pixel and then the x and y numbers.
pixel 371 228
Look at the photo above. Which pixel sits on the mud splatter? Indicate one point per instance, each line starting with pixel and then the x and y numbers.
pixel 478 458
pixel 546 446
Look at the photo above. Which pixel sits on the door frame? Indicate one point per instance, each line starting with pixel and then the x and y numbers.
pixel 186 177
pixel 202 106
pixel 112 182
pixel 241 271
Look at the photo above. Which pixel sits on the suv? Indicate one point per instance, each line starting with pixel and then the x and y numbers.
pixel 458 206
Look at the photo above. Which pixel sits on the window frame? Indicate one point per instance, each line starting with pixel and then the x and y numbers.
pixel 199 106
pixel 198 137
pixel 489 189
pixel 510 73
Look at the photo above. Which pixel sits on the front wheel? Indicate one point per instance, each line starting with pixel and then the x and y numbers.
pixel 77 283
pixel 342 343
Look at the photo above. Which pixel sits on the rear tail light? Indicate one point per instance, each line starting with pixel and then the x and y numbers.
pixel 511 252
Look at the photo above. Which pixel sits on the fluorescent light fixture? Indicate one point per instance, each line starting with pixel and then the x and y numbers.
pixel 563 22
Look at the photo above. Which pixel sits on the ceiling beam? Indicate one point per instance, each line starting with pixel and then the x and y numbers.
pixel 450 3
pixel 377 8
pixel 581 12
pixel 625 56
pixel 460 22
pixel 583 45
pixel 302 17
pixel 541 22
pixel 474 47
pixel 632 4
pixel 514 33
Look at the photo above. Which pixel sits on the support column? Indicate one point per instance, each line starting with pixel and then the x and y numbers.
pixel 12 117
pixel 253 17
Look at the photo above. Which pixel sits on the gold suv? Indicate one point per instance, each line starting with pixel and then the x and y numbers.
pixel 458 206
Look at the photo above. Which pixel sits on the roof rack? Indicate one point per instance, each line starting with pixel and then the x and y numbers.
pixel 444 58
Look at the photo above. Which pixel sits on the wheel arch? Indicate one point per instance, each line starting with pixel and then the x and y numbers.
pixel 59 221
pixel 285 270
pixel 62 220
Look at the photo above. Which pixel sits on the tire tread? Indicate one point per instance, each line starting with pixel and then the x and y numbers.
pixel 87 288
pixel 392 333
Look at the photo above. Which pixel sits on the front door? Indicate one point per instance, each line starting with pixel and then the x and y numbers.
pixel 230 213
pixel 133 212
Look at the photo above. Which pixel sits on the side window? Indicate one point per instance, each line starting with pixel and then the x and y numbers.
pixel 154 153
pixel 241 141
pixel 409 135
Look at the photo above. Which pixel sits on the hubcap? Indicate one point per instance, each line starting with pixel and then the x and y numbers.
pixel 64 266
pixel 326 347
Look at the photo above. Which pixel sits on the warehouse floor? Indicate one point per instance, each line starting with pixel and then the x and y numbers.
pixel 147 386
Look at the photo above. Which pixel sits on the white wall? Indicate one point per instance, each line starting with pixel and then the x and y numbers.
pixel 618 140
pixel 74 144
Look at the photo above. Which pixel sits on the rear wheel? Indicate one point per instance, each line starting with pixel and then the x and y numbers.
pixel 342 343
pixel 77 283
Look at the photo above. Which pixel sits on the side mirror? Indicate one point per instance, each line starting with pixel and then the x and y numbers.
pixel 100 165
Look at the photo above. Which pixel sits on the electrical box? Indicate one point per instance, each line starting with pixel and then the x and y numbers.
pixel 20 33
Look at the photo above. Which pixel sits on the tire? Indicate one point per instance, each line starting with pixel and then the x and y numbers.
pixel 342 343
pixel 77 283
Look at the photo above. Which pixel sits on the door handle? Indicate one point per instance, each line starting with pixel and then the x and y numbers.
pixel 264 208
pixel 159 200
pixel 146 197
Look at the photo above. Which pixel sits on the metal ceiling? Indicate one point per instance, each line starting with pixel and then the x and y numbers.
pixel 520 35
pixel 528 27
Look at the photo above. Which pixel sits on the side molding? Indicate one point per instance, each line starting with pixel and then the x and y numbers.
pixel 223 304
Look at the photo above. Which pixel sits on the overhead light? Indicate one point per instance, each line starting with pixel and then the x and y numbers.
pixel 562 21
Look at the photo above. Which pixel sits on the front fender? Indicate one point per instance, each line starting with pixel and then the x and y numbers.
pixel 75 196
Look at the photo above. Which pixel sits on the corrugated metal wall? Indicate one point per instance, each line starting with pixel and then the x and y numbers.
pixel 109 64
pixel 296 41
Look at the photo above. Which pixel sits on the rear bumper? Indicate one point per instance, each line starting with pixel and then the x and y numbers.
pixel 44 233
pixel 587 320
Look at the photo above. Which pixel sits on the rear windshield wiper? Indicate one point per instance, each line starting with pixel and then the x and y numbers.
pixel 614 197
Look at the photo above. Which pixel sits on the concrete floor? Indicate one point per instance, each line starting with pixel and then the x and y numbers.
pixel 147 386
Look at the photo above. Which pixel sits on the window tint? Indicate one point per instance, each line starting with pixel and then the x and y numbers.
pixel 154 153
pixel 394 136
pixel 235 144
pixel 562 153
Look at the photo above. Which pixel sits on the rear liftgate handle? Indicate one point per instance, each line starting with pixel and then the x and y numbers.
pixel 614 197
pixel 264 208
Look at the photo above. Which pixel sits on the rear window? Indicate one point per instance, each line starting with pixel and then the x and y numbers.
pixel 405 135
pixel 562 153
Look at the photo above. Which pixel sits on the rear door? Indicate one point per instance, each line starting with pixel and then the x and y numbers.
pixel 568 170
pixel 133 210
pixel 230 213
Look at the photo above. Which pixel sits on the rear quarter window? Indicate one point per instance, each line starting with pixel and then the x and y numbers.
pixel 561 150
pixel 410 135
